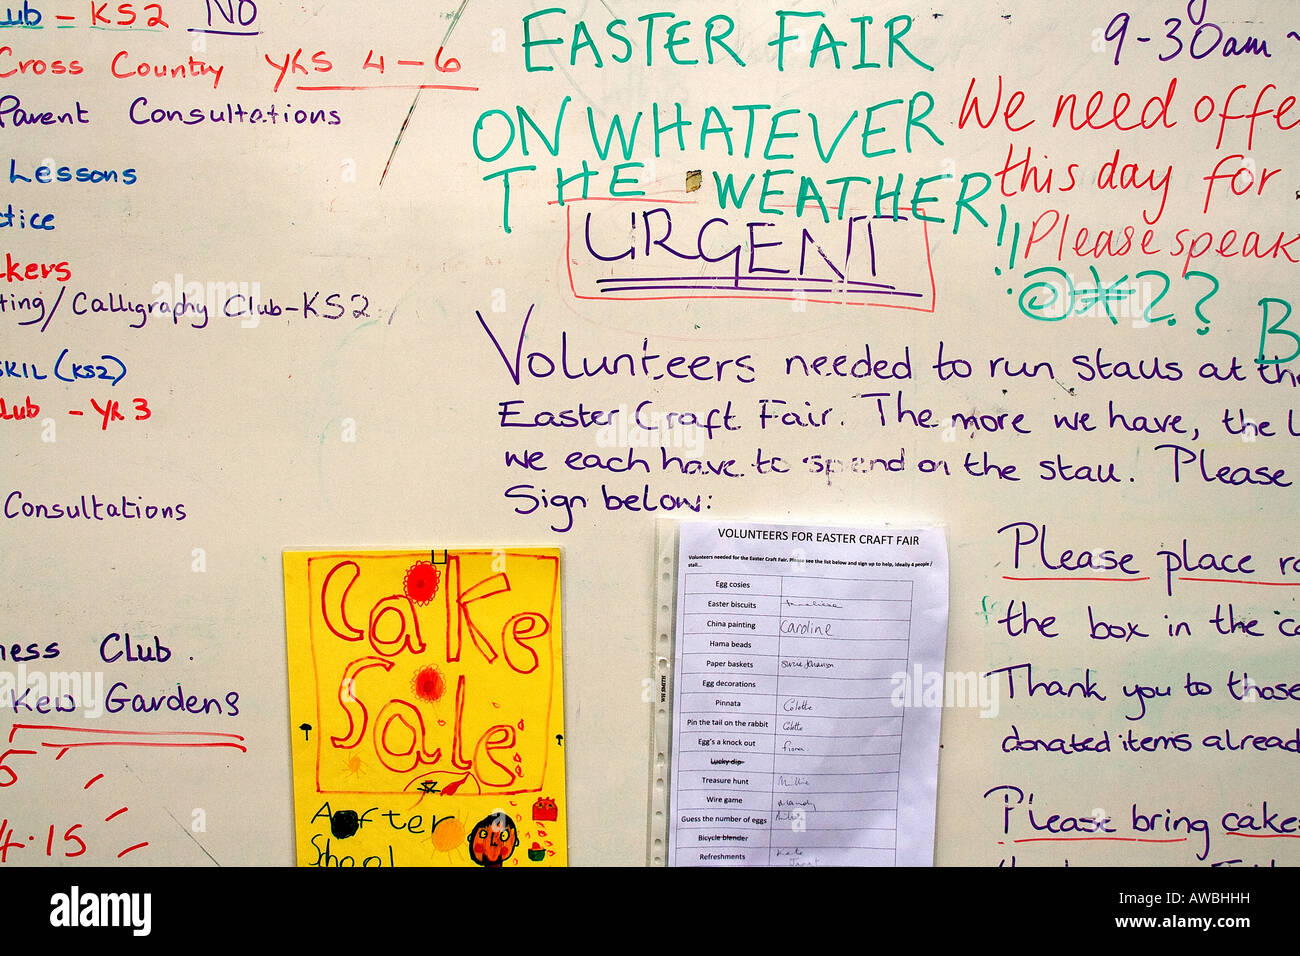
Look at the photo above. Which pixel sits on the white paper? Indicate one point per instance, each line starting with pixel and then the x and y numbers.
pixel 801 736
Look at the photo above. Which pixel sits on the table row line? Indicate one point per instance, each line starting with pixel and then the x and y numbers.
pixel 801 803
pixel 749 586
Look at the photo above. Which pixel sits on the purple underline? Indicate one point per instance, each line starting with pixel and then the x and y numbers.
pixel 748 278
pixel 741 288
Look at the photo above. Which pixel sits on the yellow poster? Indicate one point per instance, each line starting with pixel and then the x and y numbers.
pixel 426 707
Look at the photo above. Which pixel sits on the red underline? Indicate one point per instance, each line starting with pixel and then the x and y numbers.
pixel 640 199
pixel 391 86
pixel 63 747
pixel 1267 584
pixel 1264 836
pixel 1077 839
pixel 132 733
pixel 1008 577
pixel 138 846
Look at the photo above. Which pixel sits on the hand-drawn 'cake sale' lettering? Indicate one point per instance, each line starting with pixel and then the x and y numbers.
pixel 426 697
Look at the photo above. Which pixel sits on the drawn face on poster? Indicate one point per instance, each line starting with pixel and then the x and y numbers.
pixel 493 839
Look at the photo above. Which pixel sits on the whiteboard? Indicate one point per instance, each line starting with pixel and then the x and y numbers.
pixel 398 276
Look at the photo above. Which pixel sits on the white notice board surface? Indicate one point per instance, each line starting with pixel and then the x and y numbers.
pixel 405 277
